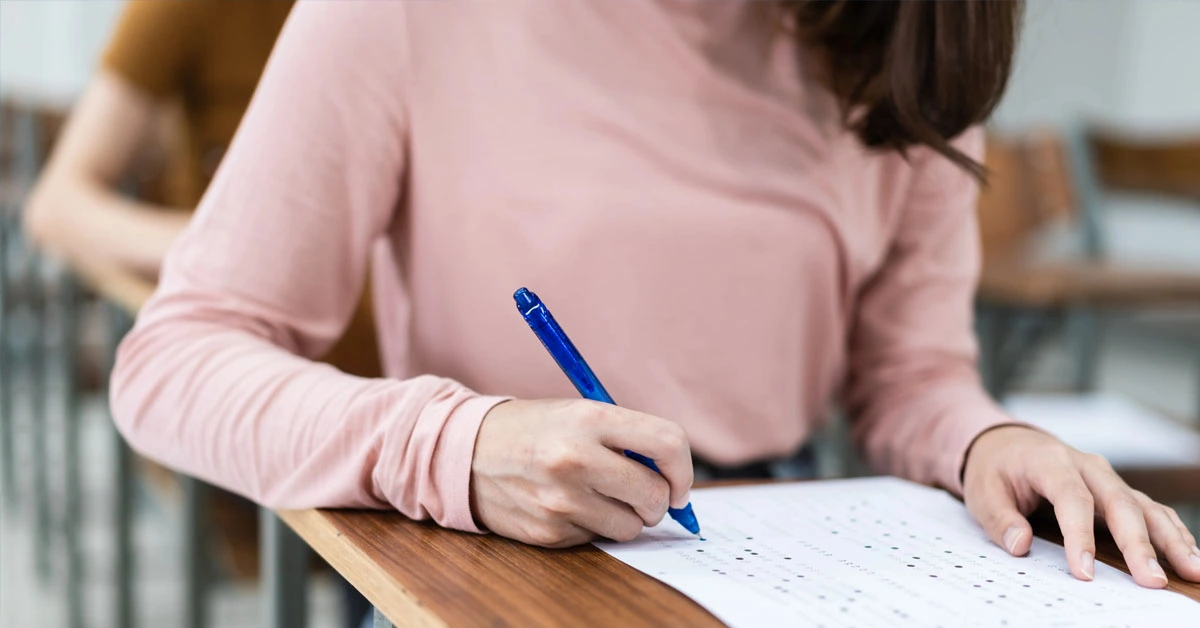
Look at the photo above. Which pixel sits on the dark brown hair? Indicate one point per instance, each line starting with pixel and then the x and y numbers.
pixel 912 72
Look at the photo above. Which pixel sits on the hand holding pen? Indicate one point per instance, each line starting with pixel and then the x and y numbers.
pixel 555 472
pixel 568 358
pixel 551 472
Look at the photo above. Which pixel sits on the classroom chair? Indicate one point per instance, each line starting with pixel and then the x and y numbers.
pixel 1166 166
pixel 1039 183
pixel 1154 167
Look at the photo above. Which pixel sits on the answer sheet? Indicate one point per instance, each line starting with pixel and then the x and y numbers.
pixel 877 552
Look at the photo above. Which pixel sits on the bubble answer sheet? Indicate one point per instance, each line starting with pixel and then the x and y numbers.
pixel 877 552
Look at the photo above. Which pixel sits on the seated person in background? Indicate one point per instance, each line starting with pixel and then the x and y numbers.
pixel 202 59
pixel 737 209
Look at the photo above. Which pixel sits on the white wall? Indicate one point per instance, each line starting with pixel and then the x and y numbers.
pixel 1123 60
pixel 1069 63
pixel 1130 62
pixel 49 49
pixel 1162 77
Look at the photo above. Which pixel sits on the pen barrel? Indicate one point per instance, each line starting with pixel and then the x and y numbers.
pixel 642 459
pixel 568 358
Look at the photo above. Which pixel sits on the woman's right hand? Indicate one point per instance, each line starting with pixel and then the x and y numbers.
pixel 552 472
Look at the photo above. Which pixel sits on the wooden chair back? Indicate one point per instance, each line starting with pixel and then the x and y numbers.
pixel 1153 165
pixel 1029 187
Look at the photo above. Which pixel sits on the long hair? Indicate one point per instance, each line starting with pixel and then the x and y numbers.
pixel 912 72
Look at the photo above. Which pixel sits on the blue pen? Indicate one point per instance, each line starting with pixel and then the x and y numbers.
pixel 571 362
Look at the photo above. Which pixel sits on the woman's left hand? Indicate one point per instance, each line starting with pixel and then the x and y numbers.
pixel 1010 469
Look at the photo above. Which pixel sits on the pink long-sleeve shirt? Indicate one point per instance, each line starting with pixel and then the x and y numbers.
pixel 664 174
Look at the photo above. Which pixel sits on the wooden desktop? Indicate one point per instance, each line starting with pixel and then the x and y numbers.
pixel 417 574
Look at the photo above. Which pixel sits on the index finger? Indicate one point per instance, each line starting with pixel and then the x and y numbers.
pixel 628 482
pixel 663 441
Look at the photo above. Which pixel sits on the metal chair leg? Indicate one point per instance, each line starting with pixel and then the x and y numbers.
pixel 68 318
pixel 123 604
pixel 195 558
pixel 380 621
pixel 1085 334
pixel 285 561
pixel 8 483
pixel 1196 417
pixel 123 565
pixel 1001 347
pixel 35 359
pixel 1008 339
pixel 987 328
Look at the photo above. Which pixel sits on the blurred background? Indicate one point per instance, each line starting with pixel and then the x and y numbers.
pixel 1088 313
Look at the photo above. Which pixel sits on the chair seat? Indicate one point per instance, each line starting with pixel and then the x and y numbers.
pixel 1152 452
pixel 1062 284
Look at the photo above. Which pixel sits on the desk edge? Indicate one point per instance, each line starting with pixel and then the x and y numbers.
pixel 316 529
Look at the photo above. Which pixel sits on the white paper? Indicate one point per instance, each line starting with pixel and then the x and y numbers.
pixel 877 552
pixel 1126 433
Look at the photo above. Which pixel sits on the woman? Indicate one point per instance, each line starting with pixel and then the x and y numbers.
pixel 737 210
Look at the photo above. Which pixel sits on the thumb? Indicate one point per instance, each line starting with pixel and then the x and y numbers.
pixel 997 512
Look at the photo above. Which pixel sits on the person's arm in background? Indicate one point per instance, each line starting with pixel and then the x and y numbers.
pixel 217 379
pixel 922 412
pixel 76 211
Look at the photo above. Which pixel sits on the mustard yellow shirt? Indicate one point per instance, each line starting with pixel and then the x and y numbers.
pixel 206 56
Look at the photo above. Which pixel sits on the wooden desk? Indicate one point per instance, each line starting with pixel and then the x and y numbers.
pixel 1168 485
pixel 417 574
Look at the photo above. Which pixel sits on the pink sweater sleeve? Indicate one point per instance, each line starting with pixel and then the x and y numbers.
pixel 914 388
pixel 216 378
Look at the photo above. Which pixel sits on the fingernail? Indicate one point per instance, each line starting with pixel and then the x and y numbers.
pixel 687 499
pixel 1196 551
pixel 1195 558
pixel 1156 569
pixel 1011 537
pixel 1089 565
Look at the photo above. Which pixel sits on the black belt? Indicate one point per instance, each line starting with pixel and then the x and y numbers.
pixel 804 458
